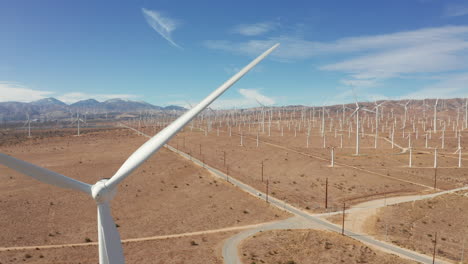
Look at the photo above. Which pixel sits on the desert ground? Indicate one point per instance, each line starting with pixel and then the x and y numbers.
pixel 167 195
pixel 288 246
pixel 191 249
pixel 414 225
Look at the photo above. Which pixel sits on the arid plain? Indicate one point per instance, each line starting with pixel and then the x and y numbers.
pixel 173 211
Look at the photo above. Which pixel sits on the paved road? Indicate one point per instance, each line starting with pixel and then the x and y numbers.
pixel 231 245
pixel 140 239
pixel 314 219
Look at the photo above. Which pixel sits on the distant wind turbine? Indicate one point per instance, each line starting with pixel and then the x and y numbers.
pixel 28 122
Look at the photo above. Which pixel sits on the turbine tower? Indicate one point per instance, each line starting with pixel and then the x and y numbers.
pixel 406 111
pixel 110 246
pixel 356 112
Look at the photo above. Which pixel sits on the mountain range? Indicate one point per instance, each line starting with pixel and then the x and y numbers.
pixel 52 108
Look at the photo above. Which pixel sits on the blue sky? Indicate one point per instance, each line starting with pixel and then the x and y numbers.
pixel 175 52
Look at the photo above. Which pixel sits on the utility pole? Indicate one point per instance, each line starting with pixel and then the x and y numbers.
pixel 326 193
pixel 435 178
pixel 342 223
pixel 227 173
pixel 386 232
pixel 224 159
pixel 435 246
pixel 267 190
pixel 463 251
pixel 262 170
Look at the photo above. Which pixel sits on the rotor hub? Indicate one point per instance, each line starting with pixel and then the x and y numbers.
pixel 101 193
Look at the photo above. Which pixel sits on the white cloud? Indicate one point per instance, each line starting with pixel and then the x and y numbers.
pixel 162 24
pixel 455 10
pixel 254 29
pixel 10 91
pixel 255 95
pixel 77 96
pixel 249 99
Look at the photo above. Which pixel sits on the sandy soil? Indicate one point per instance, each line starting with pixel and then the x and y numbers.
pixel 194 249
pixel 166 195
pixel 413 225
pixel 310 246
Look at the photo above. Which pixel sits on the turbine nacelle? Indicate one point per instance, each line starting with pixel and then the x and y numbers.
pixel 101 193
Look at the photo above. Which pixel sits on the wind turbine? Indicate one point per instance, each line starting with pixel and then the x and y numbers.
pixel 356 112
pixel 78 120
pixel 406 111
pixel 28 122
pixel 110 246
pixel 376 112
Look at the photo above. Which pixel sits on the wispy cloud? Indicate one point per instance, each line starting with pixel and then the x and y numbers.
pixel 298 48
pixel 450 86
pixel 369 60
pixel 254 29
pixel 10 91
pixel 424 58
pixel 455 10
pixel 161 24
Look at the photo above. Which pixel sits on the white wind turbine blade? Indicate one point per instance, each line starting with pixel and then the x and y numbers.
pixel 377 105
pixel 355 98
pixel 156 142
pixel 43 175
pixel 352 114
pixel 258 102
pixel 110 246
pixel 367 110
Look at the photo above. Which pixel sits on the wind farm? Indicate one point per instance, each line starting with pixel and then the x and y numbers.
pixel 303 157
